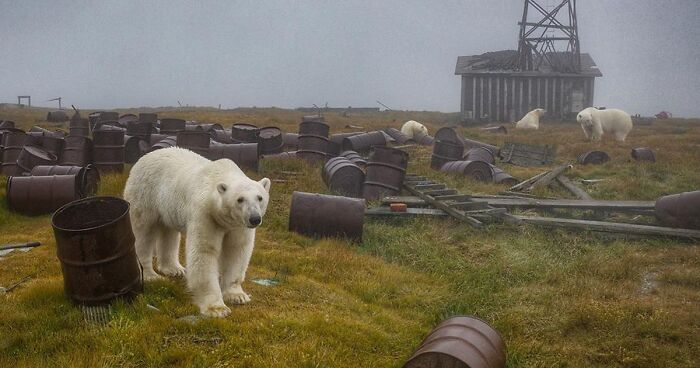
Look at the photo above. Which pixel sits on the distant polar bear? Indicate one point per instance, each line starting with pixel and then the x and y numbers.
pixel 595 122
pixel 531 120
pixel 174 191
pixel 414 129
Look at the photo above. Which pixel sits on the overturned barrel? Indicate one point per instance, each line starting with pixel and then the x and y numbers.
pixel 291 140
pixel 643 154
pixel 320 215
pixel 397 135
pixel 88 177
pixel 7 124
pixel 470 143
pixel 355 158
pixel 31 156
pixel 423 139
pixel 245 155
pixel 363 142
pixel 38 195
pixel 679 210
pixel 448 134
pixel 134 148
pixel 502 177
pixel 167 142
pixel 461 341
pixel 95 246
pixel 196 141
pixel 222 136
pixel 477 170
pixel 170 126
pixel 593 158
pixel 444 152
pixel 386 169
pixel 288 155
pixel 479 154
pixel 244 133
pixel 343 177
pixel 270 140
pixel 108 150
pixel 77 151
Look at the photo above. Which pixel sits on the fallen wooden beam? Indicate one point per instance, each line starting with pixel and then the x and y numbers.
pixel 443 206
pixel 546 179
pixel 526 184
pixel 571 187
pixel 410 212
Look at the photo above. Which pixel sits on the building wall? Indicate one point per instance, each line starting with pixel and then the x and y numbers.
pixel 507 98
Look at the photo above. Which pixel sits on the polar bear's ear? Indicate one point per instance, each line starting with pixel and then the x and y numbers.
pixel 221 188
pixel 265 182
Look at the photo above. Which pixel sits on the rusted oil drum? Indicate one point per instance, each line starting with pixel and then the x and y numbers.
pixel 643 154
pixel 270 140
pixel 88 177
pixel 244 133
pixel 109 116
pixel 462 341
pixel 447 134
pixel 222 136
pixel 593 158
pixel 157 137
pixel 479 154
pixel 444 152
pixel 386 169
pixel 196 141
pixel 496 129
pixel 7 124
pixel 245 155
pixel 31 156
pixel 79 127
pixel 679 210
pixel 95 246
pixel 167 142
pixel 469 144
pixel 313 148
pixel 108 150
pixel 12 144
pixel 312 118
pixel 45 132
pixel 193 127
pixel 139 129
pixel 363 142
pixel 169 126
pixel 148 117
pixel 320 215
pixel 291 140
pixel 46 141
pixel 280 156
pixel 502 177
pixel 38 195
pixel 477 170
pixel 355 158
pixel 57 116
pixel 93 118
pixel 397 135
pixel 424 139
pixel 125 119
pixel 77 151
pixel 211 128
pixel 134 148
pixel 317 128
pixel 335 143
pixel 342 177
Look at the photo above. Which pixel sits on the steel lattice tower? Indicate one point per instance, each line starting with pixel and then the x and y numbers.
pixel 549 37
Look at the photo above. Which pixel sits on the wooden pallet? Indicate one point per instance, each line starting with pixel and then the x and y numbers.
pixel 527 155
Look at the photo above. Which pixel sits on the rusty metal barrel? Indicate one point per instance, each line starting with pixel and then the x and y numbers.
pixel 77 151
pixel 317 128
pixel 57 116
pixel 313 141
pixel 343 177
pixel 335 143
pixel 448 134
pixel 148 118
pixel 222 136
pixel 502 177
pixel 320 215
pixel 470 143
pixel 31 156
pixel 170 126
pixel 95 246
pixel 88 177
pixel 444 152
pixel 38 195
pixel 196 141
pixel 679 210
pixel 93 118
pixel 270 140
pixel 397 135
pixel 643 154
pixel 108 150
pixel 134 148
pixel 245 155
pixel 423 139
pixel 7 124
pixel 291 140
pixel 479 154
pixel 78 127
pixel 461 341
pixel 139 129
pixel 12 144
pixel 477 170
pixel 58 133
pixel 386 169
pixel 108 125
pixel 593 158
pixel 244 133
pixel 355 158
pixel 364 142
pixel 167 142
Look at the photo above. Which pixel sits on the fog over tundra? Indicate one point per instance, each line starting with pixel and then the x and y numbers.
pixel 132 53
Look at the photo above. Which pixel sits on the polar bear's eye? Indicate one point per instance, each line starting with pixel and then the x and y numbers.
pixel 260 198
pixel 240 199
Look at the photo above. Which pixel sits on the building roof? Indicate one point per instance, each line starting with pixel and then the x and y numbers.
pixel 506 61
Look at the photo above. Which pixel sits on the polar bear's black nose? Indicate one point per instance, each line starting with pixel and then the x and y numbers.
pixel 255 220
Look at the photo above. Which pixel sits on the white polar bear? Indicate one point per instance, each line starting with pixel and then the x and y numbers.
pixel 414 129
pixel 531 120
pixel 595 122
pixel 173 191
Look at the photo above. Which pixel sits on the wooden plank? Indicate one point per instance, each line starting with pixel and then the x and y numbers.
pixel 467 206
pixel 453 197
pixel 526 184
pixel 408 200
pixel 612 227
pixel 547 179
pixel 441 192
pixel 429 186
pixel 571 187
pixel 441 205
pixel 410 212
pixel 636 207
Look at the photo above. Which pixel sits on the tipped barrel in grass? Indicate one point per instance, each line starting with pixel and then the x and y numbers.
pixel 679 210
pixel 593 158
pixel 343 177
pixel 444 152
pixel 320 215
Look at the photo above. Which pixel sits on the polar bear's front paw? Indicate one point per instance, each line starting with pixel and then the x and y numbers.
pixel 215 310
pixel 151 276
pixel 175 270
pixel 236 296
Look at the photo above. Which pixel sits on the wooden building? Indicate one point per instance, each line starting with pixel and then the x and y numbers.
pixel 494 90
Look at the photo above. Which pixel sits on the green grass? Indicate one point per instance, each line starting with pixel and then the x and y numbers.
pixel 559 298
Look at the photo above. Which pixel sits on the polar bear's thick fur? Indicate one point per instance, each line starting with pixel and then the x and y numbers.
pixel 595 122
pixel 174 191
pixel 414 129
pixel 531 120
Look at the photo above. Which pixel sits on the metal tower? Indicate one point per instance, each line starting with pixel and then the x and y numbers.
pixel 549 36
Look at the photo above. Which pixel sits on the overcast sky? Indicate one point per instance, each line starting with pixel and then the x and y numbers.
pixel 131 53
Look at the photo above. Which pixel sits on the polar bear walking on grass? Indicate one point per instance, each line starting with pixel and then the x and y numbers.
pixel 174 191
pixel 414 129
pixel 595 122
pixel 531 120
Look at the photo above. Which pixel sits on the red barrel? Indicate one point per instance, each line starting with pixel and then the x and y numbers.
pixel 320 215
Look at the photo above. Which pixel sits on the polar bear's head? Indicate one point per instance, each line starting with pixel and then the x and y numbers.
pixel 239 200
pixel 423 129
pixel 540 112
pixel 585 117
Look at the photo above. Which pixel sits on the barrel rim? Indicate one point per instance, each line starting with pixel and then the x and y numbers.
pixel 90 199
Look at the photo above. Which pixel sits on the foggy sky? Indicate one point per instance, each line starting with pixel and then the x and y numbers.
pixel 132 53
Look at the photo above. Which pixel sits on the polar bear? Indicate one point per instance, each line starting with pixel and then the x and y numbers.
pixel 174 191
pixel 531 120
pixel 595 122
pixel 414 129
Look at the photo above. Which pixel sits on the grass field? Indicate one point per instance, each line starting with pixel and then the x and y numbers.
pixel 559 298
